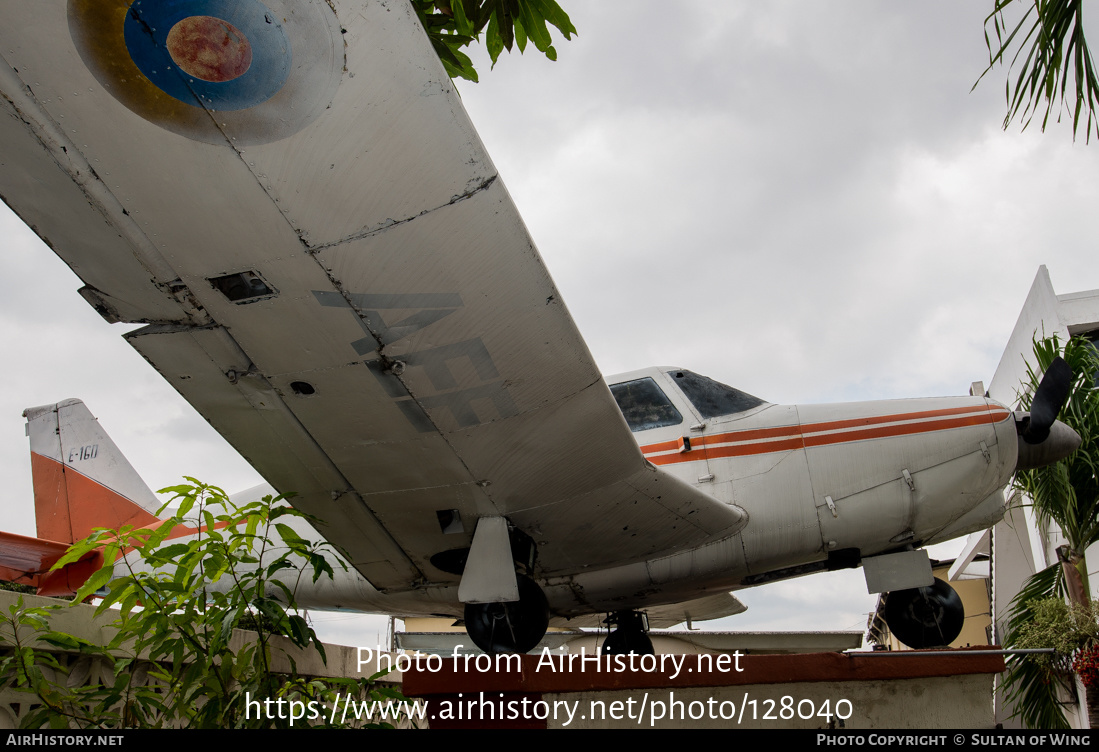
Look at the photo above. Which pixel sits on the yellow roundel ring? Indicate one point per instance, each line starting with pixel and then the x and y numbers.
pixel 236 71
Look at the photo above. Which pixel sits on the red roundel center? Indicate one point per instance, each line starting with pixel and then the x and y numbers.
pixel 209 48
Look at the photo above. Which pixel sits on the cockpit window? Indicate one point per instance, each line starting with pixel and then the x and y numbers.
pixel 712 398
pixel 644 405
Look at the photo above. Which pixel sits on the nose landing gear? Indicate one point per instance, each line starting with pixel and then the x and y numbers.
pixel 629 636
pixel 925 617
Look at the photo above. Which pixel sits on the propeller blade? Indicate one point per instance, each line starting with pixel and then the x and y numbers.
pixel 1048 400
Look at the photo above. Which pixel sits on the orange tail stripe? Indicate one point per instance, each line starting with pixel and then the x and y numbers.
pixel 69 505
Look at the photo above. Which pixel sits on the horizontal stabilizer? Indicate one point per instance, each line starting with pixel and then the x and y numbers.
pixel 701 609
pixel 28 561
pixel 661 617
pixel 29 554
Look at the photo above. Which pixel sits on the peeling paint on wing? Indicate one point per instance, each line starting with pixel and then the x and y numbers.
pixel 479 186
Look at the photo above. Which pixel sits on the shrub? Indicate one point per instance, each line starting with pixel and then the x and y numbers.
pixel 177 596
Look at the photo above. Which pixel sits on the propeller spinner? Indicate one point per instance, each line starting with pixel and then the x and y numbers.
pixel 1043 439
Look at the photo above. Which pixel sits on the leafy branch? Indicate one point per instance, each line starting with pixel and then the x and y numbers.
pixel 454 24
pixel 177 593
pixel 1031 683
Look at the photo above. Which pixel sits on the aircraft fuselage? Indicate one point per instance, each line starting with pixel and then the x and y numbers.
pixel 823 486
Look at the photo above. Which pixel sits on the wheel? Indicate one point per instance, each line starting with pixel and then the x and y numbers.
pixel 626 641
pixel 515 627
pixel 925 617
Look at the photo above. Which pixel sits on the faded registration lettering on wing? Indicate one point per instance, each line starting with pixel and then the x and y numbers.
pixel 422 310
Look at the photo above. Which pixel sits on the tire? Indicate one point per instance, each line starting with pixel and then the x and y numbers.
pixel 515 627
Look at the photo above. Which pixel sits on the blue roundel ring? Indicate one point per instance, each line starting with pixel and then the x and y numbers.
pixel 264 53
pixel 240 72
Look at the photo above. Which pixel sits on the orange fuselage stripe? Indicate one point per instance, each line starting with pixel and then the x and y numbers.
pixel 787 438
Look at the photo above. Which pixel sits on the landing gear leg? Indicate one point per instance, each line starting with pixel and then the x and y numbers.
pixel 629 636
pixel 515 627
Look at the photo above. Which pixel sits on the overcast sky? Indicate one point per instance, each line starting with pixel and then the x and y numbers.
pixel 803 200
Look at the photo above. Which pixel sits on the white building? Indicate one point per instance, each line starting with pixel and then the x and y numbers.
pixel 1019 548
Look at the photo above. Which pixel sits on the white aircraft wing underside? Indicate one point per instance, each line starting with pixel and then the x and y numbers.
pixel 397 349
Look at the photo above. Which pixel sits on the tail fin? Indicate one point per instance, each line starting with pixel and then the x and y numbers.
pixel 81 480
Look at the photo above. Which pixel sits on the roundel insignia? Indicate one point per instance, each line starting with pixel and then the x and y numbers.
pixel 242 71
pixel 216 54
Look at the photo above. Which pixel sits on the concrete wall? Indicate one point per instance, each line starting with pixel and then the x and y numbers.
pixel 956 702
pixel 870 691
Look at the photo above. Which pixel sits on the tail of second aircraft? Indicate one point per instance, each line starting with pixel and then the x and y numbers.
pixel 81 481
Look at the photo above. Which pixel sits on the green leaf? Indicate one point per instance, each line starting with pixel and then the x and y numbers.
pixel 272 609
pixel 95 582
pixel 520 35
pixel 289 595
pixel 289 536
pixel 299 631
pixel 535 27
pixel 494 42
pixel 172 551
pixel 553 13
pixel 462 24
pixel 505 15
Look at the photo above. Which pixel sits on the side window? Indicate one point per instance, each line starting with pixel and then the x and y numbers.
pixel 712 398
pixel 644 405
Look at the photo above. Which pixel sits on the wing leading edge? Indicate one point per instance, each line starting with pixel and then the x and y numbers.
pixel 348 295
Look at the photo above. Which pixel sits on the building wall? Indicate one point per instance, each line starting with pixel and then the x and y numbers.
pixel 1020 546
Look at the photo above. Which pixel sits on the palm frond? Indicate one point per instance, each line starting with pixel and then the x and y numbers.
pixel 1051 34
pixel 1028 683
pixel 1067 493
